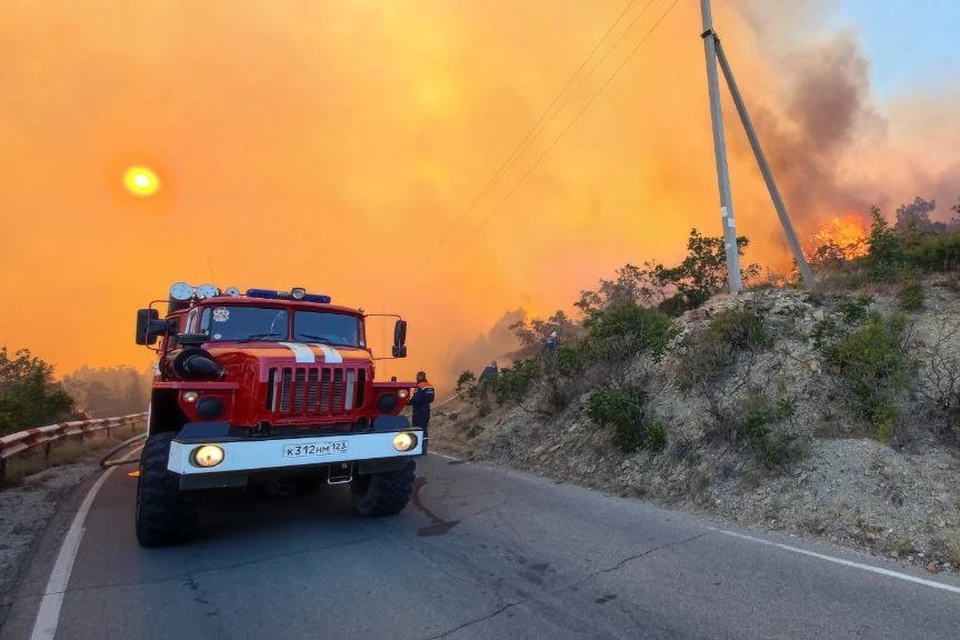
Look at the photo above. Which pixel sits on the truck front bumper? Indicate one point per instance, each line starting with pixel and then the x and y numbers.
pixel 241 456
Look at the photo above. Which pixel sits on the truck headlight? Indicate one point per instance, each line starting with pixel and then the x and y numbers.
pixel 206 456
pixel 404 441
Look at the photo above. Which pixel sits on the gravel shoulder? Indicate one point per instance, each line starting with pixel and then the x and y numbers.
pixel 25 511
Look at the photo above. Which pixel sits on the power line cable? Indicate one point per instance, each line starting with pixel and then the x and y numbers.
pixel 532 131
pixel 556 140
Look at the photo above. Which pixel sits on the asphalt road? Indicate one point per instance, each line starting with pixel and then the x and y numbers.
pixel 483 553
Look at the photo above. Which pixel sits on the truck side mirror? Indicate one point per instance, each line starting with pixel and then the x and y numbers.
pixel 399 334
pixel 400 351
pixel 149 326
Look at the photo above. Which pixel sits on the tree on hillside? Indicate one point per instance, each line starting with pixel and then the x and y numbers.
pixel 533 332
pixel 885 255
pixel 703 273
pixel 29 397
pixel 915 217
pixel 632 284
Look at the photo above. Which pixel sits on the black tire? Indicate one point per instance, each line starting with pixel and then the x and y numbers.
pixel 165 514
pixel 385 493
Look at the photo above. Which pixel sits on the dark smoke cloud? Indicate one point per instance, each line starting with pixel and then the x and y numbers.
pixel 830 149
pixel 823 112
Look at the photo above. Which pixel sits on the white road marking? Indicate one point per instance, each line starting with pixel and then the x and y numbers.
pixel 846 563
pixel 301 352
pixel 443 455
pixel 48 617
pixel 330 355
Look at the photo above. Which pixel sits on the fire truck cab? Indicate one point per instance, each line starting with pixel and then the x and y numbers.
pixel 267 385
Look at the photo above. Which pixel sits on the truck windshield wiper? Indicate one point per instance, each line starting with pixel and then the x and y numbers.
pixel 259 336
pixel 309 337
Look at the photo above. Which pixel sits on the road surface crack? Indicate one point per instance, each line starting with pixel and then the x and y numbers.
pixel 621 564
pixel 471 623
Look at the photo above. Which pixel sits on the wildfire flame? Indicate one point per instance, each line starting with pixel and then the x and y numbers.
pixel 844 237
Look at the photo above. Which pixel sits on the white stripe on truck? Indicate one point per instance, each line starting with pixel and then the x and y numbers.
pixel 301 352
pixel 330 355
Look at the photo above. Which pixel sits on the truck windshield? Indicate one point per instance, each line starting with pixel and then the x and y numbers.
pixel 327 328
pixel 244 323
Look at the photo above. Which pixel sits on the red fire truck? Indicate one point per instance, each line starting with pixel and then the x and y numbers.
pixel 267 384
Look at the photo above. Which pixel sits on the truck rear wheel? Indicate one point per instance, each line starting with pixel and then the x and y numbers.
pixel 165 515
pixel 384 493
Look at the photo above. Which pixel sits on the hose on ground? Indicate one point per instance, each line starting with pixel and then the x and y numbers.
pixel 105 461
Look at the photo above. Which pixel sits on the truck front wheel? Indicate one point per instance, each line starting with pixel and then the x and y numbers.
pixel 384 493
pixel 165 515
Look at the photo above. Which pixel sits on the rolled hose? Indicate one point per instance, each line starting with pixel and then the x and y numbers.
pixel 105 461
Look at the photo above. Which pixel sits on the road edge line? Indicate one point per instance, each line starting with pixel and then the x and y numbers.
pixel 443 455
pixel 847 563
pixel 48 615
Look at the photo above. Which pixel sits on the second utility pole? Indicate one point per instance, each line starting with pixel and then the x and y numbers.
pixel 734 279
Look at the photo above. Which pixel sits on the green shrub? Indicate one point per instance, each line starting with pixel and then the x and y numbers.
pixel 657 436
pixel 623 408
pixel 715 348
pixel 872 361
pixel 650 329
pixel 742 329
pixel 755 428
pixel 515 381
pixel 884 421
pixel 911 297
pixel 779 451
pixel 885 256
pixel 934 252
pixel 823 332
pixel 571 358
pixel 854 311
pixel 611 405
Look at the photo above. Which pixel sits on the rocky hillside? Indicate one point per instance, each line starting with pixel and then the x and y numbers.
pixel 829 416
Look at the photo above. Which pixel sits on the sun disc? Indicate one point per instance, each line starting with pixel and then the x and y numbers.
pixel 141 181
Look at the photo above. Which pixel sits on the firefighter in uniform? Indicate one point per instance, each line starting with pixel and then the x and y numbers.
pixel 421 400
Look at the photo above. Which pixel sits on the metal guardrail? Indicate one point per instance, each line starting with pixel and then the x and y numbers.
pixel 11 445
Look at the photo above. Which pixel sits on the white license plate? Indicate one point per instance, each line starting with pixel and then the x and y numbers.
pixel 314 449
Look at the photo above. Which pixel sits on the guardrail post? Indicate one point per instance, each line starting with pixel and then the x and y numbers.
pixel 3 467
pixel 46 451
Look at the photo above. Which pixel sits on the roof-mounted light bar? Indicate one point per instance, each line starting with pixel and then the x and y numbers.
pixel 181 291
pixel 298 293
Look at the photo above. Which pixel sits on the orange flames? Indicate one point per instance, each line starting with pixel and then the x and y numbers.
pixel 843 237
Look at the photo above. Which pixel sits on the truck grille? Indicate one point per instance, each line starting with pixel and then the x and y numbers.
pixel 314 391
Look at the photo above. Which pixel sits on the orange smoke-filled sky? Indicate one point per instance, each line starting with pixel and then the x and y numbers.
pixel 333 144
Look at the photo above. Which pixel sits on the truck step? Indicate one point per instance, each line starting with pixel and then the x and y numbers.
pixel 340 473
